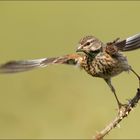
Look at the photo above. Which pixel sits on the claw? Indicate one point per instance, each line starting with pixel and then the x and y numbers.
pixel 121 105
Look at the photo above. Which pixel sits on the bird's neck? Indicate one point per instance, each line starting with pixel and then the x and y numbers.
pixel 92 54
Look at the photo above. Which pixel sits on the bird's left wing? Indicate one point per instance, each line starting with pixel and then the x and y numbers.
pixel 25 65
pixel 129 44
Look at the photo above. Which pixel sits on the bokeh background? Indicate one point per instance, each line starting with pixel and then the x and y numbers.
pixel 63 101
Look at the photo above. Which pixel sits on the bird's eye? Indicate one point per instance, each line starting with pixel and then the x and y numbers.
pixel 87 44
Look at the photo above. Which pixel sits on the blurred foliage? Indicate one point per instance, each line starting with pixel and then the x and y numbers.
pixel 62 101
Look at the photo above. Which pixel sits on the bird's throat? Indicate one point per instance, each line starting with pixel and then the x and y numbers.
pixel 93 54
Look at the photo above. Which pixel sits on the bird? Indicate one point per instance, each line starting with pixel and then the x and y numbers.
pixel 98 59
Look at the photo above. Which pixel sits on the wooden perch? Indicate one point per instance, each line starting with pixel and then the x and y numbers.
pixel 122 113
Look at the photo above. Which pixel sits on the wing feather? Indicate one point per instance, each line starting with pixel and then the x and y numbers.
pixel 130 43
pixel 25 65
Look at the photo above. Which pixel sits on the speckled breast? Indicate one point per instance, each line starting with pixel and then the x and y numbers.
pixel 106 66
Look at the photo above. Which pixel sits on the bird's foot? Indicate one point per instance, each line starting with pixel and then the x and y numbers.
pixel 120 105
pixel 122 108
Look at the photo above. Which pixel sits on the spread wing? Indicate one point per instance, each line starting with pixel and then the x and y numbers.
pixel 25 65
pixel 128 44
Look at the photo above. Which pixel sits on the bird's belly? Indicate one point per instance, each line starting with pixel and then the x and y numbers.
pixel 106 66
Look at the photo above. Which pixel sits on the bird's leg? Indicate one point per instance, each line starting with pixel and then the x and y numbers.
pixel 108 81
pixel 136 75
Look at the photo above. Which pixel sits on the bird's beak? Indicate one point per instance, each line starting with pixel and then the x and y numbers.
pixel 79 49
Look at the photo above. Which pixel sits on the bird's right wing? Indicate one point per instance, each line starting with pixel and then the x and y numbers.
pixel 25 65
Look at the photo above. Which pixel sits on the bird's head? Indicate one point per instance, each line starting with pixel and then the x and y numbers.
pixel 89 45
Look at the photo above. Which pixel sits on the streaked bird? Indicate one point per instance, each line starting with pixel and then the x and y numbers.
pixel 95 57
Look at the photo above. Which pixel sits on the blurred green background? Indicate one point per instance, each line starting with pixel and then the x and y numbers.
pixel 63 101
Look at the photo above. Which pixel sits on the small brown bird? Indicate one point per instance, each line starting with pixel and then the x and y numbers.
pixel 97 59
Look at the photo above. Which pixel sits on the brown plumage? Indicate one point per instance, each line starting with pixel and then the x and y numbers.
pixel 97 59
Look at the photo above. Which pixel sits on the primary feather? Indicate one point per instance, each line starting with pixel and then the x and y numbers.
pixel 129 44
pixel 25 65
